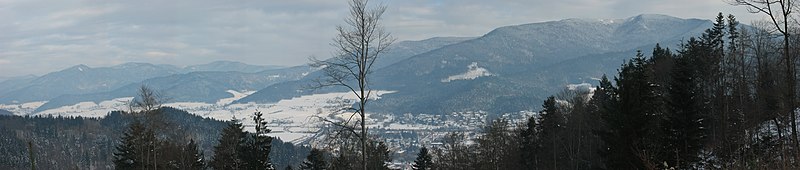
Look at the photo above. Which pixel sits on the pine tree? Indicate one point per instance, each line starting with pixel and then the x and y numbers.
pixel 227 152
pixel 315 161
pixel 255 152
pixel 684 123
pixel 137 145
pixel 346 159
pixel 377 156
pixel 455 153
pixel 629 117
pixel 424 160
pixel 553 124
pixel 530 144
pixel 190 157
pixel 126 155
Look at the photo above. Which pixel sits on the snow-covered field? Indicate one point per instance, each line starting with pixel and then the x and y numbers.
pixel 297 120
pixel 291 120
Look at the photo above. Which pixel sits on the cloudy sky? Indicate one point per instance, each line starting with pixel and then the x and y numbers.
pixel 41 36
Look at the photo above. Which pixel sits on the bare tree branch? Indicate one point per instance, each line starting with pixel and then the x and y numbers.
pixel 358 45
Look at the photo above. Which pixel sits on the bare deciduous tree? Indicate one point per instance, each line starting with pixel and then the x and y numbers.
pixel 358 44
pixel 148 100
pixel 780 13
pixel 147 104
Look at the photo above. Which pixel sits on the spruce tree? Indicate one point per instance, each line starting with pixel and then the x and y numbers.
pixel 137 147
pixel 684 123
pixel 377 155
pixel 346 159
pixel 255 152
pixel 227 152
pixel 553 124
pixel 423 161
pixel 530 144
pixel 629 119
pixel 190 157
pixel 128 152
pixel 315 161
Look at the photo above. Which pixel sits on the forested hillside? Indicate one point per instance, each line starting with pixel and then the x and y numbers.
pixel 90 143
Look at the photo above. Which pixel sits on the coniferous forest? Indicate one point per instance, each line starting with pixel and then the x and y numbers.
pixel 725 99
pixel 106 143
pixel 716 102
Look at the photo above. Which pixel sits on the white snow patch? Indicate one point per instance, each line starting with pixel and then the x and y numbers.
pixel 89 109
pixel 473 73
pixel 293 120
pixel 607 21
pixel 579 86
pixel 33 104
pixel 236 96
pixel 22 109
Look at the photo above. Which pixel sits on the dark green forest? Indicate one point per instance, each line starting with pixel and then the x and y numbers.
pixel 91 143
pixel 719 101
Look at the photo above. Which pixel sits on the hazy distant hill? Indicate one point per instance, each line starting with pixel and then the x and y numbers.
pixel 398 52
pixel 210 82
pixel 82 79
pixel 208 86
pixel 11 84
pixel 513 68
pixel 5 112
pixel 509 69
pixel 229 66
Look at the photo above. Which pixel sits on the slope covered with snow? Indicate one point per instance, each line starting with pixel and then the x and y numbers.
pixel 473 72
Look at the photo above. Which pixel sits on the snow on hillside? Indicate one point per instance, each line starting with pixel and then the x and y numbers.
pixel 299 120
pixel 292 120
pixel 236 96
pixel 89 109
pixel 22 109
pixel 473 73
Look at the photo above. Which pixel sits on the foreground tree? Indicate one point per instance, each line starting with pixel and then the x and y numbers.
pixel 424 160
pixel 190 157
pixel 239 150
pixel 358 45
pixel 780 13
pixel 630 127
pixel 257 147
pixel 684 130
pixel 135 148
pixel 315 161
pixel 348 156
pixel 151 142
pixel 226 153
pixel 455 153
pixel 553 124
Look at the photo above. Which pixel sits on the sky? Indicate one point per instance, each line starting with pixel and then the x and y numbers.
pixel 42 36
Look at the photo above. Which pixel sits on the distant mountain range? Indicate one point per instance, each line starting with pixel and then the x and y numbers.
pixel 5 112
pixel 509 69
pixel 81 79
pixel 512 68
pixel 199 83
